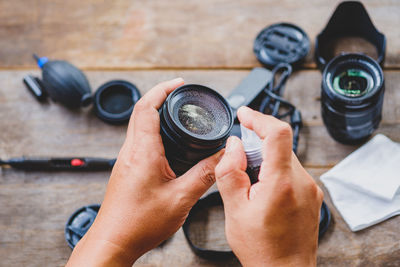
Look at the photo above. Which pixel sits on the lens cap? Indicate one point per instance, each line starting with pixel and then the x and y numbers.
pixel 114 101
pixel 324 220
pixel 282 42
pixel 79 223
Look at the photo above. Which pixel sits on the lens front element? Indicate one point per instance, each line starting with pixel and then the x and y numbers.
pixel 196 119
pixel 353 83
pixel 200 113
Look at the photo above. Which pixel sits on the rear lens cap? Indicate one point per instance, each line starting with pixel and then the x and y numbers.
pixel 114 101
pixel 324 220
pixel 281 43
pixel 79 223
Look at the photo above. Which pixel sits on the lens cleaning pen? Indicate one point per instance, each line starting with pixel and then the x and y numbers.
pixel 253 148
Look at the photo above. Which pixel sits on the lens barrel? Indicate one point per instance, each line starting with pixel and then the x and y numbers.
pixel 195 123
pixel 352 97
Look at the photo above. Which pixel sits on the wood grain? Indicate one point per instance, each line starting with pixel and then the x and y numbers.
pixel 38 130
pixel 126 34
pixel 35 206
pixel 32 225
pixel 207 42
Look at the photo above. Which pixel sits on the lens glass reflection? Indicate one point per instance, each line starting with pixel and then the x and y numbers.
pixel 196 119
pixel 353 82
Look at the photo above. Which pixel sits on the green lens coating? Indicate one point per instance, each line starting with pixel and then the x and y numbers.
pixel 353 83
pixel 196 119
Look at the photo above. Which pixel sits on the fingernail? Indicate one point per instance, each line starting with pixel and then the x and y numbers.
pixel 243 113
pixel 178 80
pixel 244 109
pixel 231 144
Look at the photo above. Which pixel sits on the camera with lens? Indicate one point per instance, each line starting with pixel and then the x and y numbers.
pixel 352 97
pixel 352 87
pixel 195 123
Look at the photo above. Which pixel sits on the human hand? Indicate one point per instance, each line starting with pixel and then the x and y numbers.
pixel 145 203
pixel 273 222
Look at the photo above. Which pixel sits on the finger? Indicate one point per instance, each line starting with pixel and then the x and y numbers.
pixel 200 177
pixel 232 180
pixel 145 120
pixel 276 135
pixel 157 95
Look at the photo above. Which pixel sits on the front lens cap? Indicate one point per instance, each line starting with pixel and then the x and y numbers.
pixel 79 223
pixel 114 101
pixel 281 43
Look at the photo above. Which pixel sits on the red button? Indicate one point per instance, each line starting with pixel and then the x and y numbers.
pixel 77 162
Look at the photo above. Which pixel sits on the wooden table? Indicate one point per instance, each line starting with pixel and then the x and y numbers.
pixel 207 42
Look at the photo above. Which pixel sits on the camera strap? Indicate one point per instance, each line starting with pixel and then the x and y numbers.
pixel 211 200
pixel 214 199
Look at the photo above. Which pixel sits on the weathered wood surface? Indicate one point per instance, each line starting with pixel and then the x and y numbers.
pixel 163 34
pixel 51 128
pixel 35 206
pixel 207 42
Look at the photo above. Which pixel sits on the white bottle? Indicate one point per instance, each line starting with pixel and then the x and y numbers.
pixel 253 148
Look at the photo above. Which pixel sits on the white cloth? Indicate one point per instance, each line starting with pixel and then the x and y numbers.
pixel 365 186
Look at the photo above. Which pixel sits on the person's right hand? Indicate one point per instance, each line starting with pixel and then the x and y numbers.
pixel 273 222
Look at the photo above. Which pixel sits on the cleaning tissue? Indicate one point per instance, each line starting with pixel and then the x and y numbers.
pixel 364 186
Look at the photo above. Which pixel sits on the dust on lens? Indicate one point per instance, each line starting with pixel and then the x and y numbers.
pixel 353 83
pixel 196 119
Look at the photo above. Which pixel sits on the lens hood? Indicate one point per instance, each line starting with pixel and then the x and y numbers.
pixel 350 19
pixel 114 101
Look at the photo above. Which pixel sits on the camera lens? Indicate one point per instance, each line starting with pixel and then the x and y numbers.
pixel 352 97
pixel 195 123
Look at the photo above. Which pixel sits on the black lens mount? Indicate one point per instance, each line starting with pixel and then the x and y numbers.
pixel 195 123
pixel 352 97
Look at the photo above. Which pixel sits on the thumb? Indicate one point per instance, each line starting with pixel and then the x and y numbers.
pixel 232 180
pixel 200 177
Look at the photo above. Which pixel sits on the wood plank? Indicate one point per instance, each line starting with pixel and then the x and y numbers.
pixel 29 128
pixel 33 221
pixel 374 246
pixel 38 204
pixel 34 213
pixel 163 34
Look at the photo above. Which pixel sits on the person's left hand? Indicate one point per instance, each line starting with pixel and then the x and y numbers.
pixel 145 203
